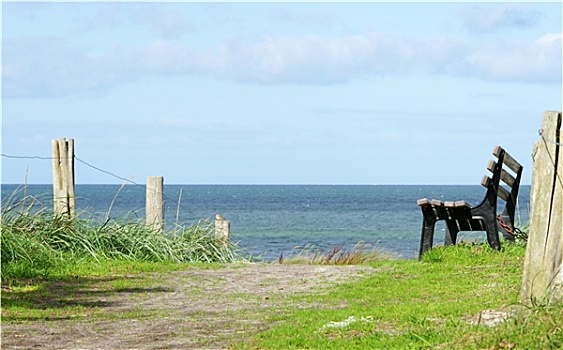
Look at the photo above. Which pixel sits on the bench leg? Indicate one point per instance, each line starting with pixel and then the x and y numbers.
pixel 493 236
pixel 452 230
pixel 427 239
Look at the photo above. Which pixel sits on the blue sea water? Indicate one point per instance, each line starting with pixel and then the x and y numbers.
pixel 269 220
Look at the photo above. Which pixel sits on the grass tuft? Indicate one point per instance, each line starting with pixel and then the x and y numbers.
pixel 360 253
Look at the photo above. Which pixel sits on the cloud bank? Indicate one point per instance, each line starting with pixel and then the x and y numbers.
pixel 485 19
pixel 36 66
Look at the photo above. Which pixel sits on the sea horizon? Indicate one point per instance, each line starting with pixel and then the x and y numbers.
pixel 269 220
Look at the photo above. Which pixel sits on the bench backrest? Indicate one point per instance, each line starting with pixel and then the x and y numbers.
pixel 505 181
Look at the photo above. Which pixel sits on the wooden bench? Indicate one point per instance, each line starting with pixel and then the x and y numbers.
pixel 461 216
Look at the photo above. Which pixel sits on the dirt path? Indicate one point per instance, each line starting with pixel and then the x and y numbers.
pixel 190 309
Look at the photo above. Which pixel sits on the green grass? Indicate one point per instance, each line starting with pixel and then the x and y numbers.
pixel 433 304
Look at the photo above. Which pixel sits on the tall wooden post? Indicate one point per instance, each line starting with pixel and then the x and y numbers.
pixel 63 177
pixel 543 264
pixel 155 203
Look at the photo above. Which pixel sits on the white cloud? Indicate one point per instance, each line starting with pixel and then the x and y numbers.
pixel 538 61
pixel 482 18
pixel 46 66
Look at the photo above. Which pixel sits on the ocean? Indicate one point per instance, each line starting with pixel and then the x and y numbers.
pixel 269 220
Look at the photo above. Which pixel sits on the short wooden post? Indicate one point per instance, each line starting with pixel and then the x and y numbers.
pixel 222 228
pixel 155 203
pixel 543 264
pixel 63 177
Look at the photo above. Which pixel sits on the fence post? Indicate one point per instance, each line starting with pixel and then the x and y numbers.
pixel 222 228
pixel 543 264
pixel 63 177
pixel 155 204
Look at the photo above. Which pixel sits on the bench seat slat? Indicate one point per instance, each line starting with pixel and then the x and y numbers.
pixel 423 202
pixel 456 204
pixel 460 204
pixel 437 203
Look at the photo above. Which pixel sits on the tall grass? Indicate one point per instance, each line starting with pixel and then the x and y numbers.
pixel 35 242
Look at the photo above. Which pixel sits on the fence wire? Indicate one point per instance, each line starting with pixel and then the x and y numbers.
pixel 548 140
pixel 107 172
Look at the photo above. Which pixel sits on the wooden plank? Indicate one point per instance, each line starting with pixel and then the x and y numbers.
pixel 437 203
pixel 485 181
pixel 496 150
pixel 461 204
pixel 503 193
pixel 456 204
pixel 423 202
pixel 511 163
pixel 507 178
pixel 491 165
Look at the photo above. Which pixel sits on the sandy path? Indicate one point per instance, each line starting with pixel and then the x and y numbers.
pixel 190 309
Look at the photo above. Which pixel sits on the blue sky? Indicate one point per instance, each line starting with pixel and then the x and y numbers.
pixel 277 93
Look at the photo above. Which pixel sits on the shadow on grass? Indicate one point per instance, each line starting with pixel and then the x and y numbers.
pixel 61 298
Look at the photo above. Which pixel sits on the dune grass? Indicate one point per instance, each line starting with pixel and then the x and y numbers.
pixel 35 242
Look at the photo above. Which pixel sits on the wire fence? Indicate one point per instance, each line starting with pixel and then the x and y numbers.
pixel 107 172
pixel 88 164
pixel 190 214
pixel 131 208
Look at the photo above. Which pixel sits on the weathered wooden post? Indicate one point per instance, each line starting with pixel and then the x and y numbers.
pixel 63 177
pixel 155 203
pixel 222 228
pixel 543 264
